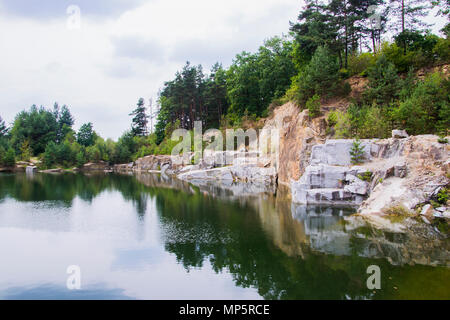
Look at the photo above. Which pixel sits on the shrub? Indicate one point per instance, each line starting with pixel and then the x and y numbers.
pixel 373 123
pixel 332 119
pixel 443 140
pixel 25 151
pixel 343 125
pixel 442 50
pixel 313 105
pixel 366 176
pixel 443 196
pixel 359 64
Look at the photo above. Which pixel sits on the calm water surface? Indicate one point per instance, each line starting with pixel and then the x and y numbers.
pixel 147 237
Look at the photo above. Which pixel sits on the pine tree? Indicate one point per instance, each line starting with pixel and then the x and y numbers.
pixel 409 14
pixel 3 128
pixel 357 152
pixel 140 119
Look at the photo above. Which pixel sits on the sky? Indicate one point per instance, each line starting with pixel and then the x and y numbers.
pixel 122 50
pixel 117 51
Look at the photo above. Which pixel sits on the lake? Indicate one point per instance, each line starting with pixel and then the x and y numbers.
pixel 151 237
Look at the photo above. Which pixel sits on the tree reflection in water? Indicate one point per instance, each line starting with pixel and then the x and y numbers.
pixel 286 252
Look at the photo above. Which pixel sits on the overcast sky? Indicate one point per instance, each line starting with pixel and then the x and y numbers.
pixel 125 49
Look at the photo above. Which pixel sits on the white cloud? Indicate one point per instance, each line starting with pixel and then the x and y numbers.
pixel 101 70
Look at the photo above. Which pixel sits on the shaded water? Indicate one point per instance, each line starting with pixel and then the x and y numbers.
pixel 147 237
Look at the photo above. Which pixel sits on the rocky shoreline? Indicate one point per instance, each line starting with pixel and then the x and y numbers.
pixel 401 176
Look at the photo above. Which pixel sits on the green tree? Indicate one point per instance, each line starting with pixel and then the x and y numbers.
pixel 80 159
pixel 357 152
pixel 65 121
pixel 86 135
pixel 140 119
pixel 427 110
pixel 319 77
pixel 9 159
pixel 3 128
pixel 25 151
pixel 38 126
pixel 50 154
pixel 384 83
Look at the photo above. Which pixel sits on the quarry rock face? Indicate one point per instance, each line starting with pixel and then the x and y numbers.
pixel 337 152
pixel 298 134
pixel 394 171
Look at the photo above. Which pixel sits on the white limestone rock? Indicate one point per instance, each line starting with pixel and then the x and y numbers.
pixel 337 152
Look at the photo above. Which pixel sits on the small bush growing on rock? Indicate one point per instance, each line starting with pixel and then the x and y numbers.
pixel 357 152
pixel 366 176
pixel 332 119
pixel 443 196
pixel 313 105
pixel 443 140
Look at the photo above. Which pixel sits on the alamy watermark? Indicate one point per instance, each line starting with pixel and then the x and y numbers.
pixel 213 148
pixel 74 17
pixel 74 280
pixel 374 280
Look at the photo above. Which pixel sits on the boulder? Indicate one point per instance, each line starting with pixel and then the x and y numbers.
pixel 427 211
pixel 400 170
pixel 97 166
pixel 399 134
pixel 358 187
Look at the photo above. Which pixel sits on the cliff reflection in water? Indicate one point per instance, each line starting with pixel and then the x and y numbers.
pixel 282 250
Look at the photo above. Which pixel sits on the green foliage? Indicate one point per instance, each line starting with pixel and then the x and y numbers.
pixel 359 64
pixel 366 176
pixel 442 50
pixel 86 135
pixel 38 126
pixel 3 128
pixel 9 158
pixel 255 80
pixel 443 196
pixel 343 125
pixel 64 120
pixel 80 159
pixel 332 119
pixel 319 77
pixel 443 140
pixel 384 83
pixel 427 110
pixel 313 105
pixel 140 119
pixel 357 152
pixel 25 151
pixel 372 123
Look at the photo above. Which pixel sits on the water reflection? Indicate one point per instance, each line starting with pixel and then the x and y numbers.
pixel 148 236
